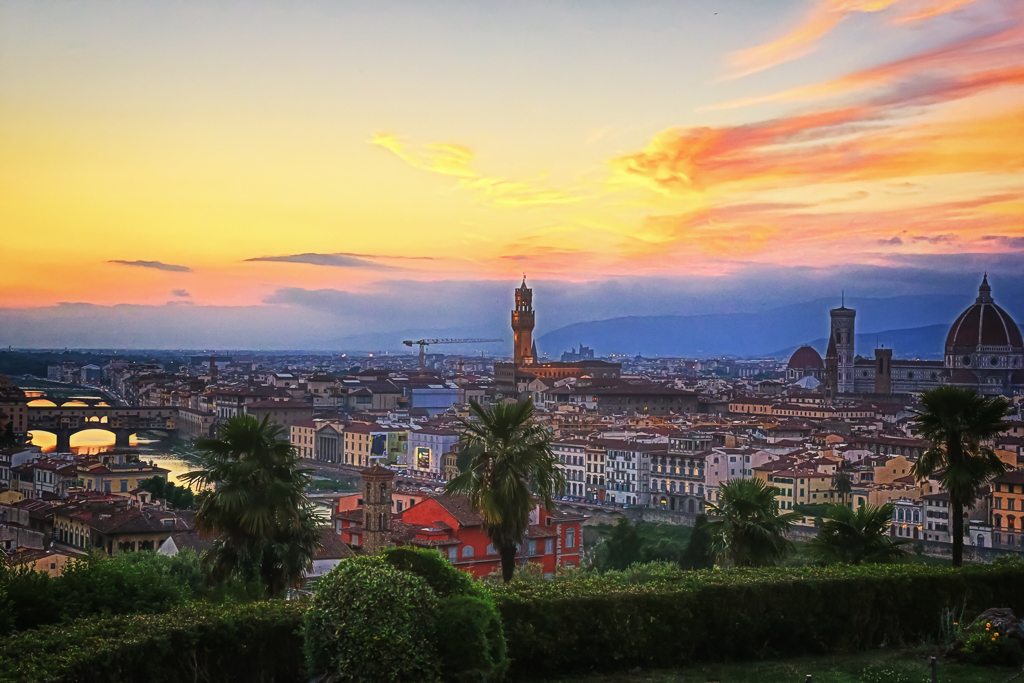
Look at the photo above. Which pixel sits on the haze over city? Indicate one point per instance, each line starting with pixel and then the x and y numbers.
pixel 304 175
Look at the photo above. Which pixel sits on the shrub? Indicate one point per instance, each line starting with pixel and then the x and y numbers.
pixel 255 642
pixel 671 618
pixel 438 572
pixel 470 641
pixel 130 583
pixel 371 622
pixel 983 644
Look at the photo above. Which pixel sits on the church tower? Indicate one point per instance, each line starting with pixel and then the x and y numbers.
pixel 831 370
pixel 843 333
pixel 522 326
pixel 377 490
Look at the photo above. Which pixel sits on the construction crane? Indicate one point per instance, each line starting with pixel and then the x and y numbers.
pixel 424 343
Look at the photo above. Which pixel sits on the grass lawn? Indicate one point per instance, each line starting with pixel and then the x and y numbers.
pixel 883 666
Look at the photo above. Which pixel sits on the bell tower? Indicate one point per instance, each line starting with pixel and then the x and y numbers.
pixel 522 326
pixel 843 331
pixel 377 490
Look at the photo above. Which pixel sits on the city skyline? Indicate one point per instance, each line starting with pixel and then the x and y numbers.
pixel 334 169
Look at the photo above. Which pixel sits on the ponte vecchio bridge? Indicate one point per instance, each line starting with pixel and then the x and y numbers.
pixel 122 422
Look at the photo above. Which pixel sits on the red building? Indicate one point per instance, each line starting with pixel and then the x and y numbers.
pixel 450 525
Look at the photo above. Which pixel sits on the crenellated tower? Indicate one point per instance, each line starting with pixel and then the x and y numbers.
pixel 522 326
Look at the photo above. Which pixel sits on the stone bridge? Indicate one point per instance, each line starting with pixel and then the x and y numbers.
pixel 122 422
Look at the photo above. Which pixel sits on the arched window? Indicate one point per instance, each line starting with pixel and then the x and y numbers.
pixel 570 538
pixel 467 551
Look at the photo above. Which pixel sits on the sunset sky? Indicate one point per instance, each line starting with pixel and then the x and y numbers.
pixel 335 167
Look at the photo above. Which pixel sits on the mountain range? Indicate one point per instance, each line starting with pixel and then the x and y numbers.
pixel 921 324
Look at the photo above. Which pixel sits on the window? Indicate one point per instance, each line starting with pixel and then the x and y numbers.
pixel 491 550
pixel 451 553
pixel 467 551
pixel 570 538
pixel 549 546
pixel 124 485
pixel 531 548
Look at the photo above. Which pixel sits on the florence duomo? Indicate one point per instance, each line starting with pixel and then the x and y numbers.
pixel 983 351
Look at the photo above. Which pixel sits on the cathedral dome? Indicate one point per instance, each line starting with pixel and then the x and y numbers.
pixel 984 324
pixel 806 357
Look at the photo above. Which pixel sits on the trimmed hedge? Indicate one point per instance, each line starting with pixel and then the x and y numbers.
pixel 671 618
pixel 370 622
pixel 252 642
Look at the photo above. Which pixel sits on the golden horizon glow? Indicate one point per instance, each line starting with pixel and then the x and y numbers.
pixel 159 168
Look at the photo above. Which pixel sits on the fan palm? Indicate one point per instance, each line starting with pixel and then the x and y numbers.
pixel 842 485
pixel 254 502
pixel 511 462
pixel 856 536
pixel 748 529
pixel 957 422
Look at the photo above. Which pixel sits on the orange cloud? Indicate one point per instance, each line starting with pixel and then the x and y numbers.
pixel 454 160
pixel 822 19
pixel 987 49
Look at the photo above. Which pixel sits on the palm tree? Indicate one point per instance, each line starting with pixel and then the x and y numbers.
pixel 748 529
pixel 255 503
pixel 957 421
pixel 511 455
pixel 842 485
pixel 856 536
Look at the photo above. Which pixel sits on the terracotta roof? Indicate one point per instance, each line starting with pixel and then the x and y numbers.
pixel 459 508
pixel 984 324
pixel 805 357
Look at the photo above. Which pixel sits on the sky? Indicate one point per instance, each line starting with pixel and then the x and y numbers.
pixel 298 174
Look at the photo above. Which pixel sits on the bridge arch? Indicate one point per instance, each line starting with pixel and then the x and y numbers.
pixel 91 436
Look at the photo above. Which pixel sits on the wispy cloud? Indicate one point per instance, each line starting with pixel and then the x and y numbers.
pixel 825 16
pixel 335 260
pixel 455 160
pixel 156 265
pixel 183 293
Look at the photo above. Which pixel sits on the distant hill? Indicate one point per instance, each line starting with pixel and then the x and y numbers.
pixel 923 343
pixel 915 326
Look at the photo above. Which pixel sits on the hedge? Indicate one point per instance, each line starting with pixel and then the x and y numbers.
pixel 673 618
pixel 651 617
pixel 251 642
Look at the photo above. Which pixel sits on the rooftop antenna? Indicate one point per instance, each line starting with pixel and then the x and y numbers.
pixel 844 298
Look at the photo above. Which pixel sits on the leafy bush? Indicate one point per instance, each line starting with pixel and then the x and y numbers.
pixel 983 644
pixel 671 617
pixel 254 642
pixel 371 622
pixel 464 631
pixel 438 572
pixel 470 640
pixel 129 583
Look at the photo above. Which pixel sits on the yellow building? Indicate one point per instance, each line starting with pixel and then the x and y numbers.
pixel 358 441
pixel 119 479
pixel 802 487
pixel 50 562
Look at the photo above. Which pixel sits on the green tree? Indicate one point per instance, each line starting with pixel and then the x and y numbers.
pixel 957 422
pixel 623 546
pixel 748 530
pixel 7 436
pixel 254 502
pixel 856 536
pixel 512 463
pixel 698 554
pixel 177 497
pixel 842 485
